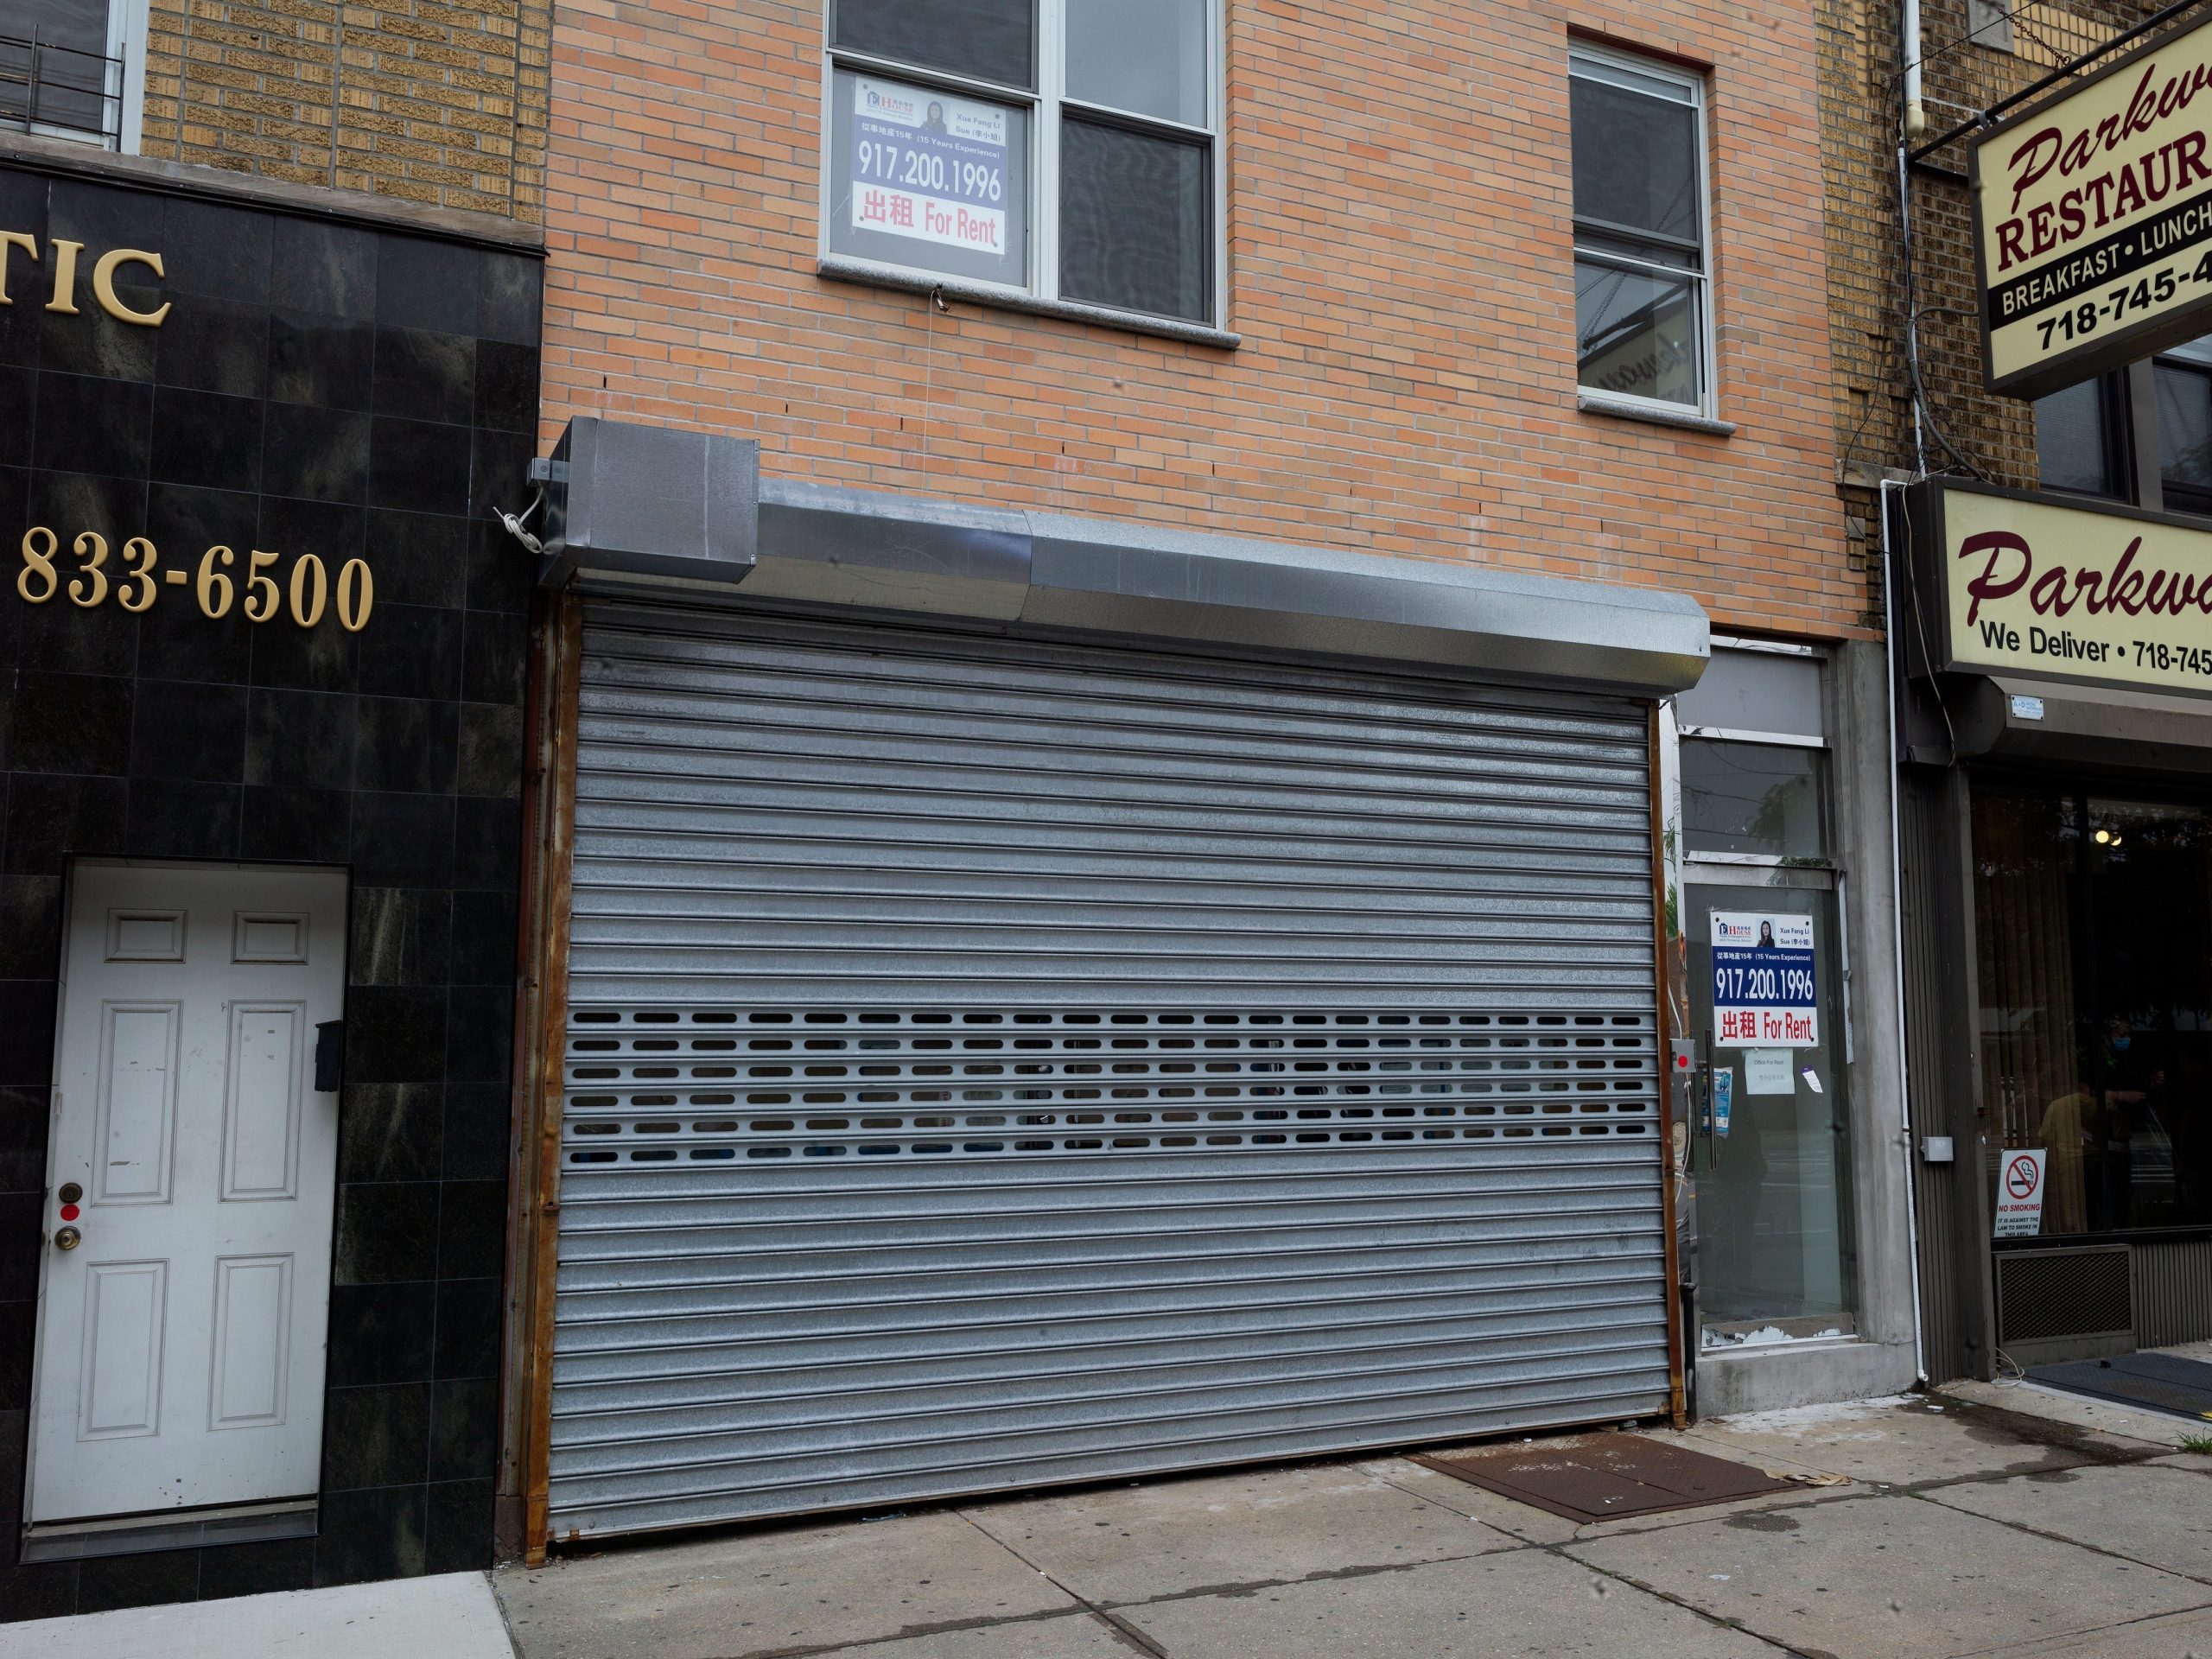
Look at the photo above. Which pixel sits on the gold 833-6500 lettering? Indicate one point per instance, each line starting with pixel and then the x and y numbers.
pixel 304 592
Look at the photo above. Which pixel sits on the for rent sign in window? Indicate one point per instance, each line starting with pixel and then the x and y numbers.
pixel 929 167
pixel 2094 220
pixel 926 182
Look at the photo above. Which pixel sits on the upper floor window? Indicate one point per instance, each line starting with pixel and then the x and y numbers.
pixel 74 69
pixel 2099 437
pixel 2081 438
pixel 2182 381
pixel 1642 312
pixel 1058 150
pixel 1753 755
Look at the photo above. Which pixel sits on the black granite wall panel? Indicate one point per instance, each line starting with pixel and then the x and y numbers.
pixel 359 393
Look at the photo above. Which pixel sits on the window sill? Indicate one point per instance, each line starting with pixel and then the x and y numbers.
pixel 1627 409
pixel 840 269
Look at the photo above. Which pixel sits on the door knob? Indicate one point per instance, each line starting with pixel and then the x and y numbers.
pixel 67 1239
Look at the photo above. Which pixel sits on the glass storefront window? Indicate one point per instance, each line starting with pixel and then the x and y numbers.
pixel 1776 1256
pixel 2093 918
pixel 1752 798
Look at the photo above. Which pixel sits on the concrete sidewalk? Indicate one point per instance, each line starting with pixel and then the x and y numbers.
pixel 451 1616
pixel 1986 1520
pixel 1967 1527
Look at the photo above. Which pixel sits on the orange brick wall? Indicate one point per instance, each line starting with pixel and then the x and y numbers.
pixel 1400 271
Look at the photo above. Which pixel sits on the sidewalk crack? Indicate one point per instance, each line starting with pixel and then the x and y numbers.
pixel 2121 1624
pixel 1118 1627
pixel 2184 1575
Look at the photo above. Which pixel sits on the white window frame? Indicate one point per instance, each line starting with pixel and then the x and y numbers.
pixel 126 43
pixel 1683 732
pixel 1585 57
pixel 1041 108
pixel 127 26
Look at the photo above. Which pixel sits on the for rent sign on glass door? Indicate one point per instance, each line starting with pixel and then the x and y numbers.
pixel 1764 986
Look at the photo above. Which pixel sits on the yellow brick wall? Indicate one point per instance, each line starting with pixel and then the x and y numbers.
pixel 435 104
pixel 1859 112
pixel 1858 57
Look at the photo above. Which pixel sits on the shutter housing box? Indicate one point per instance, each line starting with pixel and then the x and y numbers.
pixel 650 503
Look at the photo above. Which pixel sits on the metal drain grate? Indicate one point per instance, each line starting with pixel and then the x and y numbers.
pixel 701 1085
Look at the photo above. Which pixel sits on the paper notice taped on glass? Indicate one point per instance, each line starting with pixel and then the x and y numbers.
pixel 1766 1071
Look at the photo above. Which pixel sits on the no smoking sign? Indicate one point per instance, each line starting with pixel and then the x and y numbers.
pixel 2020 1194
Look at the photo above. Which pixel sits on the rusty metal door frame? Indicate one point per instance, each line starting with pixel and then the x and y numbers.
pixel 1670 1160
pixel 549 814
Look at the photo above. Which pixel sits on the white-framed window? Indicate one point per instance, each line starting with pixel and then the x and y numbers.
pixel 1055 150
pixel 74 69
pixel 1643 247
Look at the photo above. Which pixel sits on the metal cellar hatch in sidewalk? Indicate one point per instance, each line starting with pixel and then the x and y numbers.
pixel 1586 1477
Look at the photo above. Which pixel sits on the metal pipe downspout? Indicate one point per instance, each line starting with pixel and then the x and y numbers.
pixel 1896 927
pixel 1911 323
pixel 1915 123
pixel 1916 114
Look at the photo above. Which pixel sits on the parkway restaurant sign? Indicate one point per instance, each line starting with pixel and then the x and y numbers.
pixel 2093 219
pixel 2019 584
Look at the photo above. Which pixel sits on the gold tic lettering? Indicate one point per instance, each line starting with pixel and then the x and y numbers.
pixel 136 579
pixel 61 293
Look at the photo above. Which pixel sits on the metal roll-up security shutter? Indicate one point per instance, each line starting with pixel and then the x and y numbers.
pixel 992 1062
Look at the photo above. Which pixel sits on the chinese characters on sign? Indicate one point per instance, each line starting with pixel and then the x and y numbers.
pixel 928 166
pixel 1763 980
pixel 1766 1071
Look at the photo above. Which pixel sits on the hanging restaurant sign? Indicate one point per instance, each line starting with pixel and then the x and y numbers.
pixel 2093 219
pixel 2015 583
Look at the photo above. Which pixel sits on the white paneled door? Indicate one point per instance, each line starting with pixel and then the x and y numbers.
pixel 189 1199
